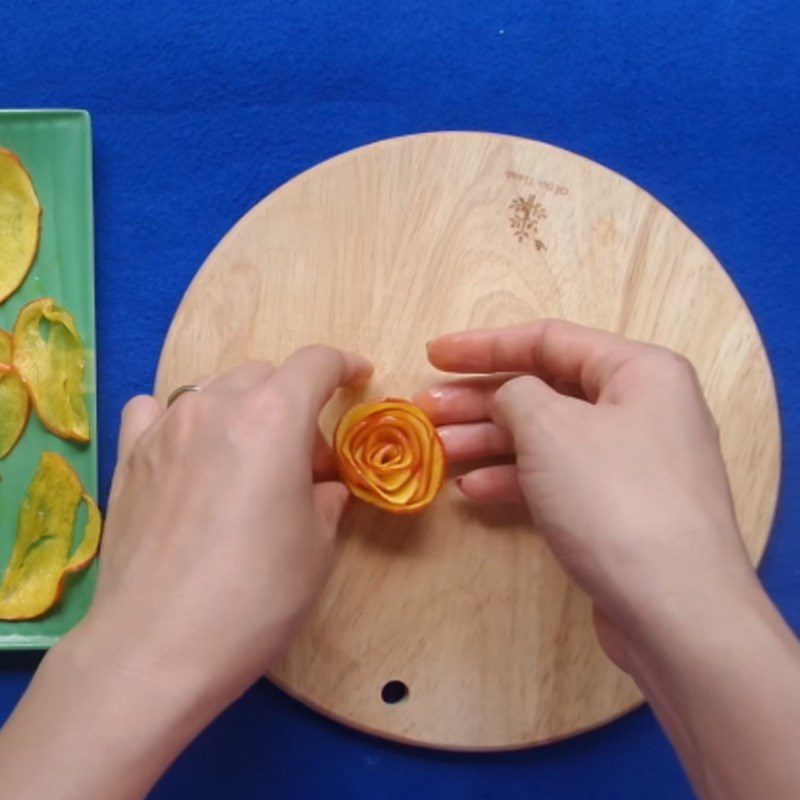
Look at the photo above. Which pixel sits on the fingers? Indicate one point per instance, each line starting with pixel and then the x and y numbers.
pixel 523 403
pixel 498 484
pixel 552 349
pixel 464 411
pixel 467 400
pixel 241 379
pixel 474 441
pixel 138 415
pixel 312 374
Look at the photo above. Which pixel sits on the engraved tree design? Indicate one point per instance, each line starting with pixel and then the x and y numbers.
pixel 524 215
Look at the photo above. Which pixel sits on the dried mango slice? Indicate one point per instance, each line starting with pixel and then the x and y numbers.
pixel 52 367
pixel 390 455
pixel 14 402
pixel 40 561
pixel 20 218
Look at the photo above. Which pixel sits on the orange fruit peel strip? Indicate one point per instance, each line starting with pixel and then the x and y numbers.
pixel 14 402
pixel 52 365
pixel 390 455
pixel 40 561
pixel 20 221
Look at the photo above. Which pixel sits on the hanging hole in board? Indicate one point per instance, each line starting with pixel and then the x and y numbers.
pixel 393 692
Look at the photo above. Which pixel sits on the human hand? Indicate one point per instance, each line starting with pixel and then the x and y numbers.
pixel 617 457
pixel 217 538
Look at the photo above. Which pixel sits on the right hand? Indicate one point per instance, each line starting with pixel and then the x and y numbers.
pixel 617 457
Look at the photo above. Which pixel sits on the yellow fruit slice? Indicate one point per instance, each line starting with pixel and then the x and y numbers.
pixel 40 562
pixel 14 402
pixel 50 359
pixel 20 218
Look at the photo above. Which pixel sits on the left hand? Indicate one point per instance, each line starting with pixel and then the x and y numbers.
pixel 217 538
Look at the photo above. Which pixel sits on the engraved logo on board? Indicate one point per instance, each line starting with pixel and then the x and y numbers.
pixel 526 212
pixel 524 215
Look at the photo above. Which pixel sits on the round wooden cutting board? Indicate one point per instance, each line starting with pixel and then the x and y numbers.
pixel 378 251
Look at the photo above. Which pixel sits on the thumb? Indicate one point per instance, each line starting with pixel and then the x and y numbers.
pixel 523 404
pixel 138 415
pixel 330 500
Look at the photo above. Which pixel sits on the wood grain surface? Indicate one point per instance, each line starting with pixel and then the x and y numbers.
pixel 378 251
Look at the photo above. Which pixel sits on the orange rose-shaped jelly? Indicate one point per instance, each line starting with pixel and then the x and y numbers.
pixel 390 455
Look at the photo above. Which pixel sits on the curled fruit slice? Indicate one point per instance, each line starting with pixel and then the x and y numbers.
pixel 390 455
pixel 14 403
pixel 20 214
pixel 41 561
pixel 49 357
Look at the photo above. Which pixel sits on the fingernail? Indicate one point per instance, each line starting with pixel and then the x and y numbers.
pixel 367 365
pixel 430 399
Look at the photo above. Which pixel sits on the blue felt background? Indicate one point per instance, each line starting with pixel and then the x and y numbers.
pixel 201 108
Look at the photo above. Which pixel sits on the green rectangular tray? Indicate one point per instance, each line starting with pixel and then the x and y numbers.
pixel 56 149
